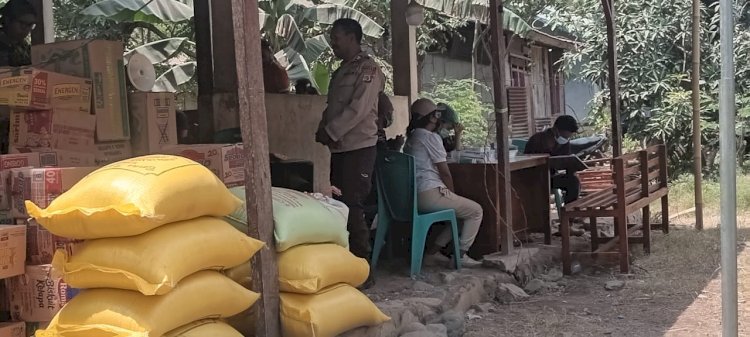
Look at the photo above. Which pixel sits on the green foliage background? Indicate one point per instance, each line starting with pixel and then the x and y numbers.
pixel 462 97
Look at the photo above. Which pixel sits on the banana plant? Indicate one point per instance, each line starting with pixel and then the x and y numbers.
pixel 478 10
pixel 286 23
pixel 150 15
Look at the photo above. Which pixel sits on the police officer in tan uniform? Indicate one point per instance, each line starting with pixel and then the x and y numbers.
pixel 349 127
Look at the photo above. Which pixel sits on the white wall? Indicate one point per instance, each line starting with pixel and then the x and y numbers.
pixel 578 94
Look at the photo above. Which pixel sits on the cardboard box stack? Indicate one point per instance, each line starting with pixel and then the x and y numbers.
pixel 52 145
pixel 102 63
pixel 227 161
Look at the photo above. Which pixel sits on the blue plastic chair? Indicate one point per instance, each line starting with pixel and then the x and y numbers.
pixel 397 202
pixel 520 144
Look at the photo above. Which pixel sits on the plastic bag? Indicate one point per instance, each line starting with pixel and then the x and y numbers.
pixel 125 313
pixel 308 269
pixel 133 196
pixel 329 313
pixel 154 262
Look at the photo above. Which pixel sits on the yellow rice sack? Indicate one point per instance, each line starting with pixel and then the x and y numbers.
pixel 308 269
pixel 125 313
pixel 154 262
pixel 329 313
pixel 205 328
pixel 133 196
pixel 242 274
pixel 300 218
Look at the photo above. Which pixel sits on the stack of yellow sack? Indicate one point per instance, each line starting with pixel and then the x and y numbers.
pixel 318 275
pixel 155 244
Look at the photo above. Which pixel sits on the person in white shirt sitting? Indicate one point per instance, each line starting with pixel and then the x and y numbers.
pixel 435 183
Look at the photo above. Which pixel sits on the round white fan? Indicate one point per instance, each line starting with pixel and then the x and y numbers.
pixel 141 72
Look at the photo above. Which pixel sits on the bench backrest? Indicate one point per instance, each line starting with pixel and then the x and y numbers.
pixel 638 174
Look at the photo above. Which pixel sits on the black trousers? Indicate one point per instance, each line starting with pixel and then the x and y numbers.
pixel 352 172
pixel 569 183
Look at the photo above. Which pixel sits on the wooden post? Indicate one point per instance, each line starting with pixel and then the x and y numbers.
pixel 251 105
pixel 45 27
pixel 404 49
pixel 614 78
pixel 697 164
pixel 497 43
pixel 205 70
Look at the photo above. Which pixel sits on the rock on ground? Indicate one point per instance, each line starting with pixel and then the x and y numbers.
pixel 534 286
pixel 614 285
pixel 509 293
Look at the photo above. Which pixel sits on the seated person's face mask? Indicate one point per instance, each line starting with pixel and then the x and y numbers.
pixel 562 140
pixel 445 130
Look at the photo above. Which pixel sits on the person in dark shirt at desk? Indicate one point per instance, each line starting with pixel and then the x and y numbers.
pixel 17 19
pixel 555 141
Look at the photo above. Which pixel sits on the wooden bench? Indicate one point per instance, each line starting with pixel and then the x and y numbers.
pixel 640 178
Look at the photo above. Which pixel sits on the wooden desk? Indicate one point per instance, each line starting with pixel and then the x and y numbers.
pixel 531 192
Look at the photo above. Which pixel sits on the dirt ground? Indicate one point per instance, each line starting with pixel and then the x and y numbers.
pixel 675 291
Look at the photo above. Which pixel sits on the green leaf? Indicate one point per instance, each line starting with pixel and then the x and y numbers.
pixel 287 29
pixel 321 76
pixel 296 66
pixel 159 51
pixel 316 46
pixel 157 11
pixel 328 13
pixel 479 11
pixel 173 78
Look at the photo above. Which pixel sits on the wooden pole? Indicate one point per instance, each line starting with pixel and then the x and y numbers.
pixel 45 28
pixel 404 52
pixel 614 78
pixel 205 70
pixel 497 44
pixel 254 128
pixel 698 170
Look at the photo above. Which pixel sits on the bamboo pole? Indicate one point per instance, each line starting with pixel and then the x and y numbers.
pixel 698 171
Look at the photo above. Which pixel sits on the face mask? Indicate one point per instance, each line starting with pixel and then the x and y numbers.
pixel 562 140
pixel 444 133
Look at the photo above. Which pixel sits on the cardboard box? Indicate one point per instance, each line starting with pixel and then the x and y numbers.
pixel 62 158
pixel 12 250
pixel 102 62
pixel 41 244
pixel 153 121
pixel 227 161
pixel 18 160
pixel 41 186
pixel 111 152
pixel 52 129
pixel 36 89
pixel 13 329
pixel 37 295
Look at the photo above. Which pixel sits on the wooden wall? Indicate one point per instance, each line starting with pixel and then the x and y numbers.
pixel 293 120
